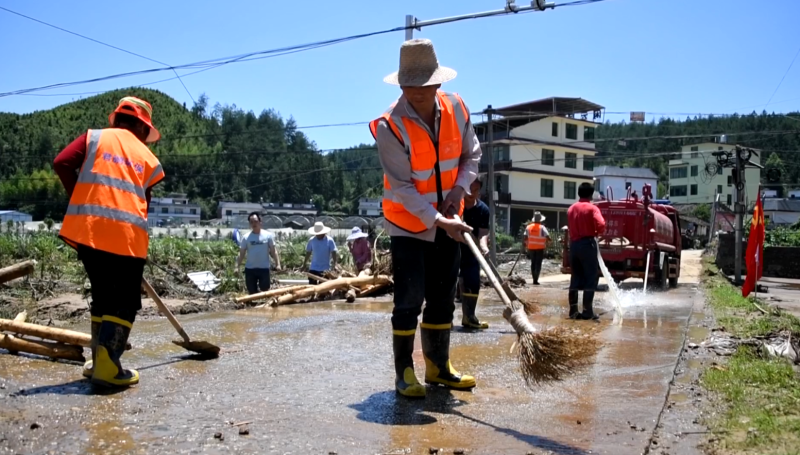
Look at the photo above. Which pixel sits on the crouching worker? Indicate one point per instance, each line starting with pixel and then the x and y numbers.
pixel 109 174
pixel 585 222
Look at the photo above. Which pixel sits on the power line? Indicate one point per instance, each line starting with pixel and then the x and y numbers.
pixel 258 55
pixel 784 77
pixel 103 44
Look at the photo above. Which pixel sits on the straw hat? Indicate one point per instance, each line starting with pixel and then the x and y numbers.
pixel 538 217
pixel 139 109
pixel 356 234
pixel 419 66
pixel 318 229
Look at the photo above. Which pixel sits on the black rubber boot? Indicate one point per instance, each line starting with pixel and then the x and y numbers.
pixel 88 367
pixel 436 350
pixel 573 305
pixel 108 371
pixel 406 382
pixel 588 312
pixel 468 319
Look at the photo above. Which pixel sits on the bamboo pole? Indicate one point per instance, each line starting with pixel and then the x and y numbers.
pixel 49 333
pixel 339 283
pixel 318 278
pixel 21 317
pixel 43 348
pixel 15 271
pixel 270 293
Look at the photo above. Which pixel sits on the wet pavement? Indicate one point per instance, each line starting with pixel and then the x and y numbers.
pixel 318 378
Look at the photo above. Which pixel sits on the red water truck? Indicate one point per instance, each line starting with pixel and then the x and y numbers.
pixel 634 228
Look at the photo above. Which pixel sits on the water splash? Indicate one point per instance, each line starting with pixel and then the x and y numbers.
pixel 613 290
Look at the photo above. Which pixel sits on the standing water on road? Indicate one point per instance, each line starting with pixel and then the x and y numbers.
pixel 612 287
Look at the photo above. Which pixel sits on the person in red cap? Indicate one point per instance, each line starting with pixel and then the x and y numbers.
pixel 108 174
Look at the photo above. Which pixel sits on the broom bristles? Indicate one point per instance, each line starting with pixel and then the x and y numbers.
pixel 529 306
pixel 551 354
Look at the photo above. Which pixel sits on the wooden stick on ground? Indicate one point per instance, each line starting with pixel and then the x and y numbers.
pixel 318 278
pixel 15 271
pixel 19 318
pixel 48 333
pixel 270 293
pixel 43 348
pixel 337 284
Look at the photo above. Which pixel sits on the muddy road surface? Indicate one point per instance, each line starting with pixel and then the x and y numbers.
pixel 318 378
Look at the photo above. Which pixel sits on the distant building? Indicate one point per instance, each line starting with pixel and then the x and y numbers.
pixel 287 209
pixel 690 181
pixel 543 150
pixel 370 207
pixel 15 216
pixel 794 194
pixel 231 211
pixel 619 179
pixel 174 209
pixel 781 212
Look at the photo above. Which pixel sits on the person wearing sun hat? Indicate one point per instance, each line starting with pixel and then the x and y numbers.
pixel 359 248
pixel 321 249
pixel 109 174
pixel 430 154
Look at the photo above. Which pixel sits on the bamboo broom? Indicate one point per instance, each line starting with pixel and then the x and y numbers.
pixel 546 355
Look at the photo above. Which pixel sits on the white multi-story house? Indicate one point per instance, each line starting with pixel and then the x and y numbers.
pixel 370 206
pixel 619 179
pixel 230 211
pixel 543 150
pixel 173 209
pixel 288 209
pixel 695 177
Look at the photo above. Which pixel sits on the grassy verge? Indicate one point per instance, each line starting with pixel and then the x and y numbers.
pixel 760 397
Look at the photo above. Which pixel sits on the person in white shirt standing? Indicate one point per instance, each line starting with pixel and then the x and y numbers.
pixel 257 247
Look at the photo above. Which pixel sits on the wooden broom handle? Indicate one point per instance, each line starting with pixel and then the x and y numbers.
pixel 487 269
pixel 152 293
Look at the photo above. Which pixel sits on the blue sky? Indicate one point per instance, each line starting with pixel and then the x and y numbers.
pixel 676 56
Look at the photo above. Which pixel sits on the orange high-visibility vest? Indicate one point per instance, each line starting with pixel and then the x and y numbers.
pixel 535 239
pixel 108 208
pixel 425 157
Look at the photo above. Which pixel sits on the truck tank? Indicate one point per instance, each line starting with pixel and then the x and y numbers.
pixel 629 223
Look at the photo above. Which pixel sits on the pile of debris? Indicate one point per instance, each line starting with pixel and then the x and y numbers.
pixel 347 286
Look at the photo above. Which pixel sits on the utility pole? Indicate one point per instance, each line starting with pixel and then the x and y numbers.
pixel 511 8
pixel 738 193
pixel 490 187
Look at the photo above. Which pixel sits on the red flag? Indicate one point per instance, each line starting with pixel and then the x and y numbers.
pixel 755 249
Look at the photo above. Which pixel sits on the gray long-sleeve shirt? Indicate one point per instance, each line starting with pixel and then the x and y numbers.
pixel 396 164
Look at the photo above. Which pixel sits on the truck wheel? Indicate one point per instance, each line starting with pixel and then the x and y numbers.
pixel 661 275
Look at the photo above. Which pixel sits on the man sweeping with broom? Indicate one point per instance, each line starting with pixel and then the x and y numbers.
pixel 429 154
pixel 108 174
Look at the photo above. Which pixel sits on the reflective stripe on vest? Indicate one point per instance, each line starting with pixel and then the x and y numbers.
pixel 424 156
pixel 108 207
pixel 535 239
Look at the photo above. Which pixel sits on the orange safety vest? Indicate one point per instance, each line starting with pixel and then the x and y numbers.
pixel 535 239
pixel 425 157
pixel 108 208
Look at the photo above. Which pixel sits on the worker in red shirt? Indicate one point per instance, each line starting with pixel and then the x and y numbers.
pixel 584 222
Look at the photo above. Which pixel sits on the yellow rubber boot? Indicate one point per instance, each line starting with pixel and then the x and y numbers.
pixel 468 319
pixel 89 365
pixel 436 350
pixel 406 382
pixel 108 371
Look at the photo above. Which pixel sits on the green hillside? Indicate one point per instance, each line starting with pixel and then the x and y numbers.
pixel 221 152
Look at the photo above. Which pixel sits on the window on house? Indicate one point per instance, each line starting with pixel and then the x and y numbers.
pixel 588 163
pixel 228 213
pixel 627 185
pixel 569 190
pixel 548 157
pixel 694 171
pixel 179 211
pixel 193 211
pixel 730 180
pixel 694 148
pixel 363 212
pixel 572 131
pixel 151 210
pixel 719 189
pixel 571 160
pixel 554 131
pixel 547 188
pixel 501 152
pixel 693 190
pixel 588 133
pixel 694 153
pixel 730 199
pixel 678 172
pixel 678 190
pixel 164 210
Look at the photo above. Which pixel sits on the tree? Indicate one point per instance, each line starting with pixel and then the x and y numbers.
pixel 773 166
pixel 703 212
